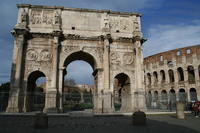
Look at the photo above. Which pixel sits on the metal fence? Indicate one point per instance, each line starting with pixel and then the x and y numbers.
pixel 85 101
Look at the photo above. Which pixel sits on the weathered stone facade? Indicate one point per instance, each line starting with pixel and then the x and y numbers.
pixel 173 75
pixel 47 39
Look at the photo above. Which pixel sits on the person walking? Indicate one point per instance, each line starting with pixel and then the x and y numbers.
pixel 196 110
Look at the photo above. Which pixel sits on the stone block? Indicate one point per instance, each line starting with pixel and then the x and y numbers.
pixel 139 118
pixel 180 110
pixel 41 120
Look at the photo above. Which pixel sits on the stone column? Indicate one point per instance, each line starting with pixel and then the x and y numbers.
pixel 175 76
pixel 16 74
pixel 167 77
pixel 60 88
pixel 51 93
pixel 159 77
pixel 187 91
pixel 107 94
pixel 97 94
pixel 139 74
pixel 186 75
pixel 196 71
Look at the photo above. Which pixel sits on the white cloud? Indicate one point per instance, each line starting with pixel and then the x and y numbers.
pixel 167 37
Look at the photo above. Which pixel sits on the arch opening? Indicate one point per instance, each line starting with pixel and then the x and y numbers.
pixel 149 99
pixel 162 73
pixel 149 78
pixel 172 99
pixel 191 75
pixel 121 92
pixel 180 74
pixel 155 75
pixel 193 95
pixel 79 83
pixel 36 89
pixel 171 75
pixel 182 95
pixel 164 100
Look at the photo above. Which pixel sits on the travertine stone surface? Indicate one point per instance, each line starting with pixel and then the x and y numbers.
pixel 47 39
pixel 181 68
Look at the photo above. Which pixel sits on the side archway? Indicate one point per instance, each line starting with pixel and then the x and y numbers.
pixel 121 92
pixel 36 87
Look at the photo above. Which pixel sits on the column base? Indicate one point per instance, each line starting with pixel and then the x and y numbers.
pixel 50 110
pixel 12 110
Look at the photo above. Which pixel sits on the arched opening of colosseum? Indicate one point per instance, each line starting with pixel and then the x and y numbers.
pixel 172 98
pixel 164 99
pixel 193 94
pixel 77 95
pixel 162 73
pixel 149 78
pixel 180 74
pixel 121 92
pixel 155 99
pixel 199 70
pixel 36 87
pixel 182 95
pixel 191 75
pixel 155 75
pixel 149 99
pixel 171 76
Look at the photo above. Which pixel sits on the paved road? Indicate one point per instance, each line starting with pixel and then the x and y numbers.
pixel 100 124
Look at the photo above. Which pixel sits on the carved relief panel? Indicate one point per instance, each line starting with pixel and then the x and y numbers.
pixel 120 24
pixel 39 55
pixel 121 60
pixel 44 17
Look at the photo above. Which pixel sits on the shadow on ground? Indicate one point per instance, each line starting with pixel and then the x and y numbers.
pixel 111 124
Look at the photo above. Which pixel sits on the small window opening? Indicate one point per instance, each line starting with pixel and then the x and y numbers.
pixel 73 28
pixel 161 58
pixel 178 53
pixel 188 51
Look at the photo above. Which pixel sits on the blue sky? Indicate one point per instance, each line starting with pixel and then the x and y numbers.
pixel 167 24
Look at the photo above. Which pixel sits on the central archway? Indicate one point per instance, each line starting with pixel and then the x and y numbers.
pixel 75 98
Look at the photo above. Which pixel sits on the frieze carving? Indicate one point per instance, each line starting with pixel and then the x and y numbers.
pixel 114 24
pixel 128 58
pixel 57 18
pixel 32 55
pixel 121 60
pixel 96 51
pixel 39 55
pixel 45 55
pixel 68 49
pixel 115 58
pixel 38 18
pixel 124 25
pixel 23 16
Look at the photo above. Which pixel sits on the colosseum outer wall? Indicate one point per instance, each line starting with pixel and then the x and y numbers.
pixel 173 73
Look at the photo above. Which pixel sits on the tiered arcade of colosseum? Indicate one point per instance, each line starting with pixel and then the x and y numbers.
pixel 173 76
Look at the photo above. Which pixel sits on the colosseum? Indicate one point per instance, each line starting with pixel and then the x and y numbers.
pixel 172 76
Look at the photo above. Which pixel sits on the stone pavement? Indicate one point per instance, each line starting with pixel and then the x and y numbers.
pixel 100 124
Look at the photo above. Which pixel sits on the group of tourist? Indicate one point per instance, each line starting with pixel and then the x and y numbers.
pixel 196 108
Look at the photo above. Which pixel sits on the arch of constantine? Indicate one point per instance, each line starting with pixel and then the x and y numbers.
pixel 47 39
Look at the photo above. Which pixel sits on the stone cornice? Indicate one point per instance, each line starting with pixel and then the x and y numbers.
pixel 78 37
pixel 19 31
pixel 79 9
